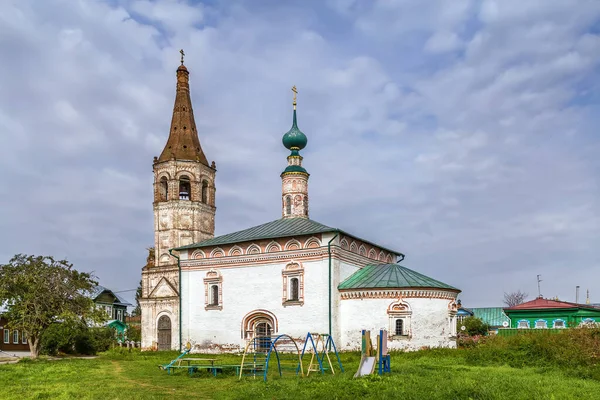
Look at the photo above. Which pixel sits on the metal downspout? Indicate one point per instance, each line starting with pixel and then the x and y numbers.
pixel 179 268
pixel 329 254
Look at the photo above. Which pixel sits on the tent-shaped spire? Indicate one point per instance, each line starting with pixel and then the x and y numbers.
pixel 183 142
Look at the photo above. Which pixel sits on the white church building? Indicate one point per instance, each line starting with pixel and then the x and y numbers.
pixel 291 275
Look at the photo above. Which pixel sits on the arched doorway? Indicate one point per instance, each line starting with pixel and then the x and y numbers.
pixel 259 324
pixel 164 333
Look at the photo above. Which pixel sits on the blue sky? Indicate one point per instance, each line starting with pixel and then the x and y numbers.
pixel 462 133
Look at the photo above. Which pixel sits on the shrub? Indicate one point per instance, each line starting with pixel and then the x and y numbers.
pixel 473 326
pixel 76 338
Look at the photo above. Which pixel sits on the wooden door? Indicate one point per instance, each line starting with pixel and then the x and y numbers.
pixel 164 333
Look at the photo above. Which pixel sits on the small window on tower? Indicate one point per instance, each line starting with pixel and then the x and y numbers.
pixel 164 189
pixel 205 192
pixel 184 188
pixel 288 205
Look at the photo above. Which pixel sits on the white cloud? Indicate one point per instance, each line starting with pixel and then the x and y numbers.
pixel 442 42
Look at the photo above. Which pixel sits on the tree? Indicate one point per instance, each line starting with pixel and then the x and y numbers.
pixel 39 291
pixel 514 298
pixel 138 295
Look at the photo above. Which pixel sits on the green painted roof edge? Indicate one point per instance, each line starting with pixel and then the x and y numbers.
pixel 199 245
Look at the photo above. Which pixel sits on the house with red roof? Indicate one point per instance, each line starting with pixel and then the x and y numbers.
pixel 546 313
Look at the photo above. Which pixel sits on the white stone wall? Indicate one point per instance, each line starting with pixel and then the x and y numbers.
pixel 244 290
pixel 152 310
pixel 430 324
pixel 249 285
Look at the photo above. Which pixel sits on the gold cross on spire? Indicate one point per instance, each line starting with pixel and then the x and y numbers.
pixel 295 93
pixel 182 54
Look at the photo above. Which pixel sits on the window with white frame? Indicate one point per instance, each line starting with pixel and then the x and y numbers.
pixel 558 323
pixel 15 337
pixel 588 322
pixel 213 290
pixel 293 284
pixel 541 324
pixel 523 324
pixel 120 315
pixel 399 314
pixel 24 337
pixel 6 336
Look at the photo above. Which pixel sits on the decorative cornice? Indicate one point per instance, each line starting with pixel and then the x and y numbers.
pixel 253 259
pixel 310 254
pixel 395 294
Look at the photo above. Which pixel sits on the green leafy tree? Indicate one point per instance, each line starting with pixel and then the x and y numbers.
pixel 473 326
pixel 39 291
pixel 138 295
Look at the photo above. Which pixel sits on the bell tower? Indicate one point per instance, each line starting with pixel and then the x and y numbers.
pixel 294 179
pixel 184 213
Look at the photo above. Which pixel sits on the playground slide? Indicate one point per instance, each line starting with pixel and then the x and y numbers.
pixel 366 366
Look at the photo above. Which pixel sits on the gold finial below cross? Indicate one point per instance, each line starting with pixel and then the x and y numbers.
pixel 182 54
pixel 295 93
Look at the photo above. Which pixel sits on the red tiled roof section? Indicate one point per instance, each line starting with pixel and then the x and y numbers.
pixel 183 142
pixel 545 304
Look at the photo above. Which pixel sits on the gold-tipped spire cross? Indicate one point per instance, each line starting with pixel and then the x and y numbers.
pixel 295 93
pixel 182 54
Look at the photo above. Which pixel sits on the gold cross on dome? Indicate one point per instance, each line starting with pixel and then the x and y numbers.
pixel 182 54
pixel 295 93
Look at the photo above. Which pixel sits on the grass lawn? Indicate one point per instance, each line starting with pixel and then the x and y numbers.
pixel 430 374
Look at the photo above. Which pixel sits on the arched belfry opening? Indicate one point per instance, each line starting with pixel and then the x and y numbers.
pixel 185 187
pixel 205 192
pixel 163 189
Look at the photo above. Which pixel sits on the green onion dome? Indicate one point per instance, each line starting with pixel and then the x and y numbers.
pixel 294 138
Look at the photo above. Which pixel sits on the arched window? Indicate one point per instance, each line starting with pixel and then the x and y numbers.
pixel 205 192
pixel 214 295
pixel 163 189
pixel 288 205
pixel 306 205
pixel 184 188
pixel 399 327
pixel 294 289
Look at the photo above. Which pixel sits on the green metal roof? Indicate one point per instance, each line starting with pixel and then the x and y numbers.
pixel 494 316
pixel 283 227
pixel 294 168
pixel 387 276
pixel 270 230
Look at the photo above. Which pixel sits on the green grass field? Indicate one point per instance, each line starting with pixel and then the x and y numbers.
pixel 430 374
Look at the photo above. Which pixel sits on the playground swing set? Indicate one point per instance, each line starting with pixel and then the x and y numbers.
pixel 288 355
pixel 258 356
